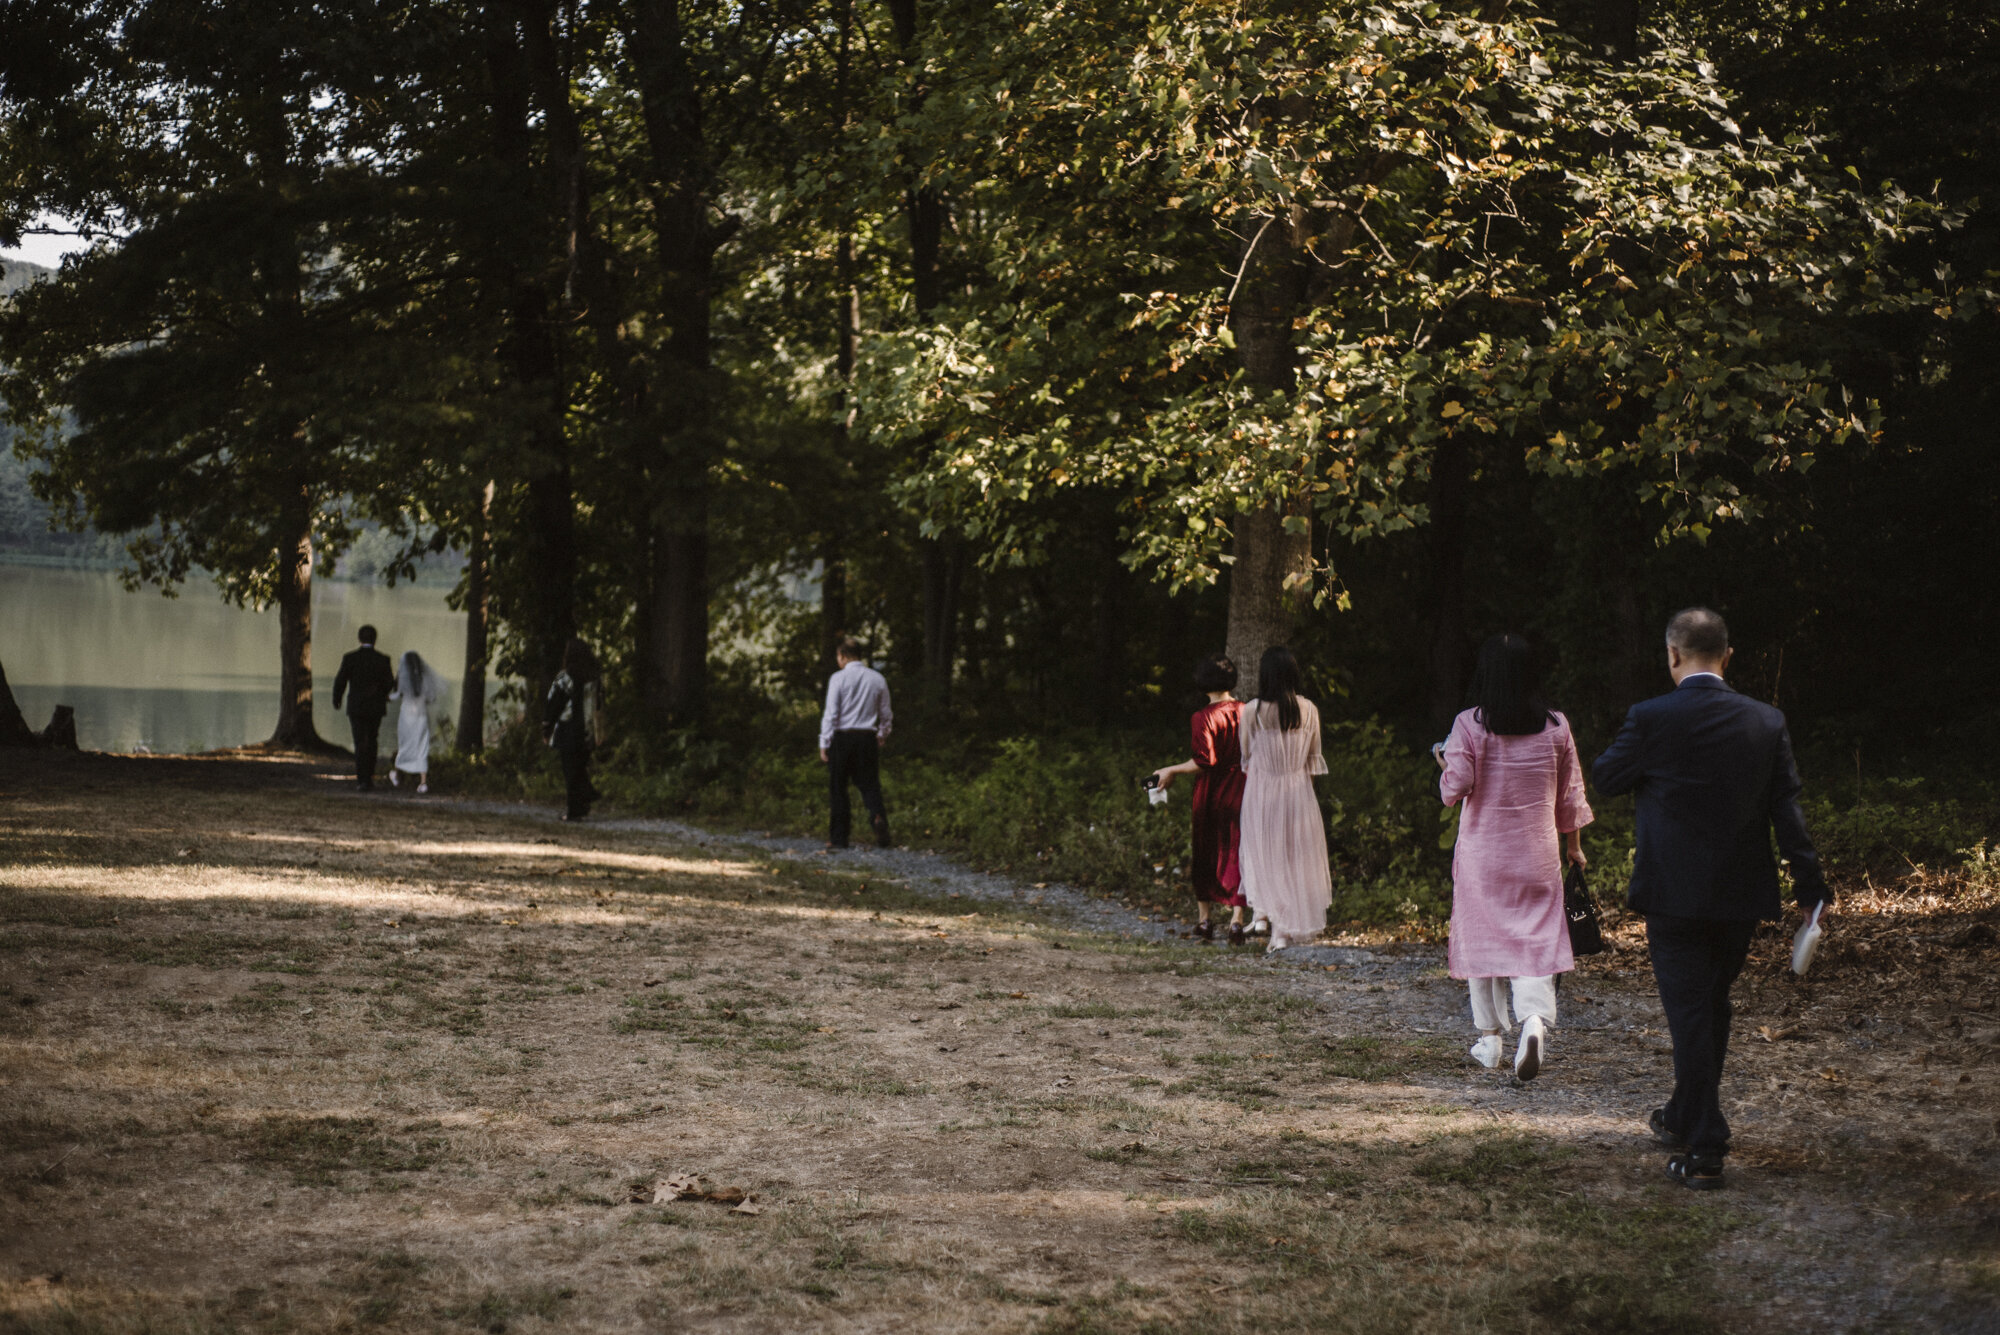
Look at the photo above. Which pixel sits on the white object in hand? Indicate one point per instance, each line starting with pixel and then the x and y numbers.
pixel 1805 942
pixel 1157 796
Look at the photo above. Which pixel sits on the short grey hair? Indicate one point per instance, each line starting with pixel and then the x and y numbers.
pixel 1699 632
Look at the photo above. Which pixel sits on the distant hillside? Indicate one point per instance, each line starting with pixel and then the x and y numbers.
pixel 24 522
pixel 20 273
pixel 25 533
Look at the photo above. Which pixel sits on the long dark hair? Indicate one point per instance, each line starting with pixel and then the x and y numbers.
pixel 579 662
pixel 1506 691
pixel 1281 683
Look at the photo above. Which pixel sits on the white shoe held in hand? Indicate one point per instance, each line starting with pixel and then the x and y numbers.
pixel 1487 1051
pixel 1529 1056
pixel 1805 943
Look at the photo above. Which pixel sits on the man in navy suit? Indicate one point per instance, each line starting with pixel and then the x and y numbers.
pixel 1714 777
pixel 365 678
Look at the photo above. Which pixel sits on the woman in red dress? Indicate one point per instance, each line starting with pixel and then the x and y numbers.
pixel 1218 796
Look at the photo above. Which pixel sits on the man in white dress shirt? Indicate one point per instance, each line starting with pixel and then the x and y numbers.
pixel 851 733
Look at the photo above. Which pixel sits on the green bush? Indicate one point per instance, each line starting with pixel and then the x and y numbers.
pixel 1888 836
pixel 1061 808
pixel 1069 808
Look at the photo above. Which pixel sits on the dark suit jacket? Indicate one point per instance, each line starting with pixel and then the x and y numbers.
pixel 369 677
pixel 1714 776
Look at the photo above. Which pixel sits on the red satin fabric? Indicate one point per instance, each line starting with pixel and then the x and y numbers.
pixel 1218 800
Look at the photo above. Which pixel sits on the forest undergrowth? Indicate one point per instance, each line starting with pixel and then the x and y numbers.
pixel 1068 808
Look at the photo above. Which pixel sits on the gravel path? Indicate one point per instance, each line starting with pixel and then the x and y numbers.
pixel 1065 904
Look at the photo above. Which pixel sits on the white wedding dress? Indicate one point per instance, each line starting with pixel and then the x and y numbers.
pixel 418 689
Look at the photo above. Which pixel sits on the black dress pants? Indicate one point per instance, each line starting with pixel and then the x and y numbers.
pixel 367 744
pixel 1695 960
pixel 577 787
pixel 855 755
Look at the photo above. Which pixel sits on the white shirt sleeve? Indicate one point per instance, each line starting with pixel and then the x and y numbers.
pixel 826 717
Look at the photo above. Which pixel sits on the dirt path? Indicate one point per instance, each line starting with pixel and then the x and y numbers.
pixel 273 1057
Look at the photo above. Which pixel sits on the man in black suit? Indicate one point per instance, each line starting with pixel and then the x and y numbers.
pixel 1714 776
pixel 365 678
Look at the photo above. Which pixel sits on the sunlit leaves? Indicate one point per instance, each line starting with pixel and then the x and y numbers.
pixel 1506 239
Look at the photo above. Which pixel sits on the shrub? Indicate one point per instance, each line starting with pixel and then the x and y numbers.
pixel 1068 807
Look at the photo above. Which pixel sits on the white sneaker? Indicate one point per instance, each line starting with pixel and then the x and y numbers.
pixel 393 780
pixel 423 788
pixel 1487 1051
pixel 1278 943
pixel 1529 1055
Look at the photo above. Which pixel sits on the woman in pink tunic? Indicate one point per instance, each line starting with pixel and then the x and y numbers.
pixel 1512 761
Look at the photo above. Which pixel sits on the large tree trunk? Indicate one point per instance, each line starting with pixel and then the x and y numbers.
pixel 847 354
pixel 14 729
pixel 295 679
pixel 471 739
pixel 676 684
pixel 1265 589
pixel 548 602
pixel 1273 561
pixel 923 213
pixel 1109 621
pixel 832 604
pixel 944 574
pixel 1614 28
pixel 1451 469
pixel 1632 672
pixel 543 606
pixel 678 655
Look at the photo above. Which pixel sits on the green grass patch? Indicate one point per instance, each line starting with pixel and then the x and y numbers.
pixel 316 1151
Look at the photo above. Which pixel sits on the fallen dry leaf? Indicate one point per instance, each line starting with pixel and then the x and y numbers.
pixel 748 1207
pixel 654 982
pixel 675 1187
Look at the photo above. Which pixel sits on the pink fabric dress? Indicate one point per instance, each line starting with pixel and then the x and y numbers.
pixel 1519 793
pixel 1283 848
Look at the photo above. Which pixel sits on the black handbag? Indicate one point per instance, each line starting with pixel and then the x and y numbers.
pixel 1586 936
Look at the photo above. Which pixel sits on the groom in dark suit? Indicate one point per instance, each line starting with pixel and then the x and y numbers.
pixel 1714 777
pixel 365 678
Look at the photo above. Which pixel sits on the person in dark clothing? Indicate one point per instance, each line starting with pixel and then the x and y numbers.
pixel 365 678
pixel 852 728
pixel 1714 776
pixel 569 724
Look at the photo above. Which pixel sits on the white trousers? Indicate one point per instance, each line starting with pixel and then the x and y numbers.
pixel 1532 996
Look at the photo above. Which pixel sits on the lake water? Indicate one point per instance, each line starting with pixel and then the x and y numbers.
pixel 194 673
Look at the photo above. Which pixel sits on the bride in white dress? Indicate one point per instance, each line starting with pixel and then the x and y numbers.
pixel 418 687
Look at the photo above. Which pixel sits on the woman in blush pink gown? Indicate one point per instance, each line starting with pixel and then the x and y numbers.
pixel 1512 761
pixel 1283 848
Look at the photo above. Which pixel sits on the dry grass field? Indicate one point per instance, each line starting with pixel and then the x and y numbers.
pixel 274 1057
